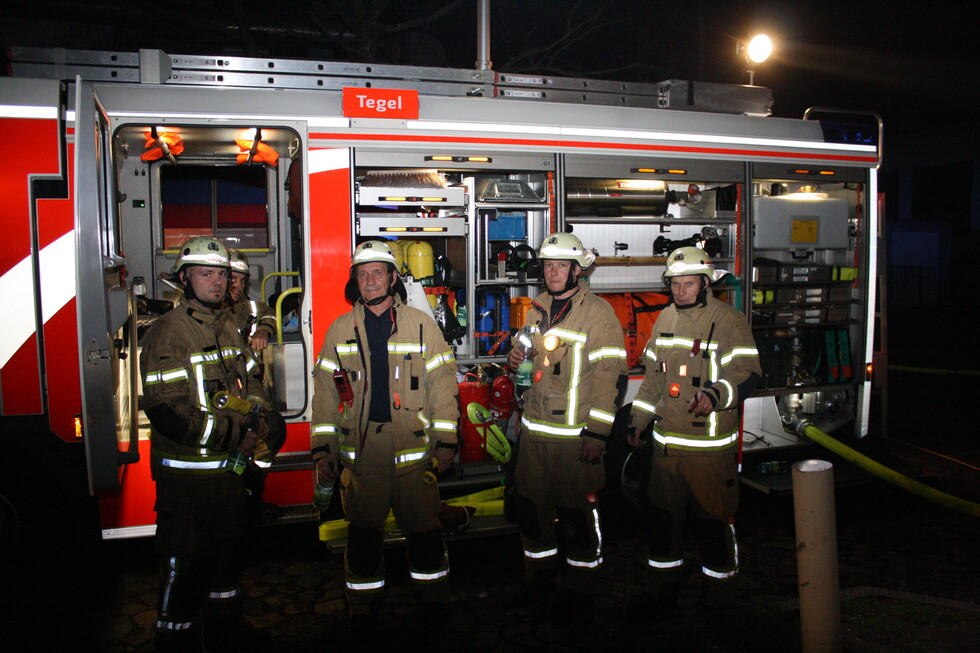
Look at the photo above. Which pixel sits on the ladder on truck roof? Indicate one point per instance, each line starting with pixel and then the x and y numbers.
pixel 157 67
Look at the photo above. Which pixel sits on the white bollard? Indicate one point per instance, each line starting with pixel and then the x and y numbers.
pixel 816 556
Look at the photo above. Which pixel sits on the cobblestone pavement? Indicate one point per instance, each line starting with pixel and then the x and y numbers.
pixel 904 548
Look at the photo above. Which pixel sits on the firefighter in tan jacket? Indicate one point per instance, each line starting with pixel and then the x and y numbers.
pixel 701 363
pixel 255 320
pixel 400 412
pixel 568 413
pixel 189 356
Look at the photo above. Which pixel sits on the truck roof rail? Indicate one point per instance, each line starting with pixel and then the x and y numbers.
pixel 158 67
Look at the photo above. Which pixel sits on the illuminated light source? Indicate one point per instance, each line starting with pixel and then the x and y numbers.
pixel 413 229
pixel 760 47
pixel 459 159
pixel 805 195
pixel 161 144
pixel 413 199
pixel 255 151
pixel 757 51
pixel 78 427
pixel 661 171
pixel 869 371
pixel 642 184
pixel 550 342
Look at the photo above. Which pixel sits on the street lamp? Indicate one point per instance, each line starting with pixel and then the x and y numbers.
pixel 757 51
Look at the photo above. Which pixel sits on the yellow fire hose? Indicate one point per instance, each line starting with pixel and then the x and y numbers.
pixel 886 473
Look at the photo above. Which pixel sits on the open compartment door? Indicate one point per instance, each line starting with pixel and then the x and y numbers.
pixel 106 327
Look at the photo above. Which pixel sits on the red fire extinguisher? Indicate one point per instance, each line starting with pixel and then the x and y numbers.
pixel 502 397
pixel 472 447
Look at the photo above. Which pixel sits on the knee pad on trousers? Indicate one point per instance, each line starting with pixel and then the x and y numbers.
pixel 576 528
pixel 426 550
pixel 364 550
pixel 659 531
pixel 527 517
pixel 712 540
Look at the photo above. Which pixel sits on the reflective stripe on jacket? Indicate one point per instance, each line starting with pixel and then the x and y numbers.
pixel 187 355
pixel 707 347
pixel 421 372
pixel 576 384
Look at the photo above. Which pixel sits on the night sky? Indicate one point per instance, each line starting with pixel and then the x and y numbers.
pixel 913 63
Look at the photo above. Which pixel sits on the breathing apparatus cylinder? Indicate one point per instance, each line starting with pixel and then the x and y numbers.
pixel 420 260
pixel 397 250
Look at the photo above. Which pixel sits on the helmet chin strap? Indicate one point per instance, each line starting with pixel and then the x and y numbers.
pixel 701 299
pixel 380 299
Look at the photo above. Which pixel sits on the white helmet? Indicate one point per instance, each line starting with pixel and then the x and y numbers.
pixel 201 250
pixel 373 250
pixel 567 247
pixel 239 262
pixel 685 261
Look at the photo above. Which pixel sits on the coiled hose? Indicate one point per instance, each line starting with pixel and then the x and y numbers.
pixel 886 473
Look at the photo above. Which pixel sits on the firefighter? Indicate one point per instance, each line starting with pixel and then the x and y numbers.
pixel 191 355
pixel 254 318
pixel 385 408
pixel 701 363
pixel 579 357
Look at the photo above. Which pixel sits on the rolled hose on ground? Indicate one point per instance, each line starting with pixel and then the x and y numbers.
pixel 807 429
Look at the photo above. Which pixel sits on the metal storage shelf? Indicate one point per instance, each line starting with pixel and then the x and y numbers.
pixel 801 325
pixel 780 391
pixel 645 220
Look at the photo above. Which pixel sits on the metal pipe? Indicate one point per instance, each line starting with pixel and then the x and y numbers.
pixel 816 555
pixel 483 35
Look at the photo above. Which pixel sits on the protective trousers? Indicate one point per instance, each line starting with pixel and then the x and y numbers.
pixel 367 495
pixel 707 484
pixel 200 526
pixel 552 483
